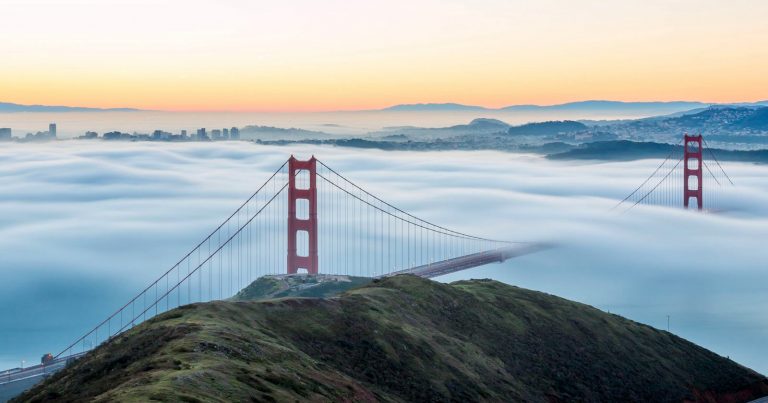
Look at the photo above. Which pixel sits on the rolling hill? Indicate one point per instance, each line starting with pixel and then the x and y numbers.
pixel 402 338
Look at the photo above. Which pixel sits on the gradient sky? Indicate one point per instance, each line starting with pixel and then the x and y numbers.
pixel 306 55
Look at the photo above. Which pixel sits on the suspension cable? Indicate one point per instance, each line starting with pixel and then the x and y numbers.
pixel 712 153
pixel 711 174
pixel 447 230
pixel 154 284
pixel 649 178
pixel 657 185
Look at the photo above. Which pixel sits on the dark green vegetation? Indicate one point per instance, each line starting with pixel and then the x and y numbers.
pixel 320 286
pixel 401 339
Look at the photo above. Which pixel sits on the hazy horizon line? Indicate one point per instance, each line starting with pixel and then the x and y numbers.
pixel 380 108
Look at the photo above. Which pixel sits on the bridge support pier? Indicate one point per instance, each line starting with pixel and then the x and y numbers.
pixel 305 193
pixel 693 169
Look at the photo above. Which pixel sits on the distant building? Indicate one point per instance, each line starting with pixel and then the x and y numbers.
pixel 5 133
pixel 112 135
pixel 42 136
pixel 225 134
pixel 183 133
pixel 234 133
pixel 161 135
pixel 216 134
pixel 89 135
pixel 201 135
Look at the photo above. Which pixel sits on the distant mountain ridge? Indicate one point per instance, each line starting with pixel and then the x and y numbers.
pixel 573 110
pixel 423 107
pixel 590 104
pixel 593 105
pixel 11 107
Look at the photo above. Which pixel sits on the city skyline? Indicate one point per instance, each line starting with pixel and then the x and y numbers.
pixel 303 56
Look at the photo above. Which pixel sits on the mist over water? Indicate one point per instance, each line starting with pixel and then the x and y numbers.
pixel 86 225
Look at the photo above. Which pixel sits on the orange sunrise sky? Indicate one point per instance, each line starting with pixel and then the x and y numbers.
pixel 304 55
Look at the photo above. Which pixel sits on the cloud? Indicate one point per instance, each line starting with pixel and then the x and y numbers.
pixel 84 226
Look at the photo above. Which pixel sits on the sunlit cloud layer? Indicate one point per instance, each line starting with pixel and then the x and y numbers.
pixel 84 226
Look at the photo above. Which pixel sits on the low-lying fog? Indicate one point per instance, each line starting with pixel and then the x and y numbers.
pixel 85 225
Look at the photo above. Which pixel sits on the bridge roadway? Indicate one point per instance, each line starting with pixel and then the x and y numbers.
pixel 14 382
pixel 473 260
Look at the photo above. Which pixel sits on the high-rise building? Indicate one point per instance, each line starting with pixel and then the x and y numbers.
pixel 216 134
pixel 52 129
pixel 201 135
pixel 225 134
pixel 5 133
pixel 160 135
pixel 183 133
pixel 234 133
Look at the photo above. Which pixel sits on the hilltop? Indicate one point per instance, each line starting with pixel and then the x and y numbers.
pixel 402 338
pixel 298 285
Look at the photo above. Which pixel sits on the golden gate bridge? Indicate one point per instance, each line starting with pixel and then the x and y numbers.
pixel 279 230
pixel 308 218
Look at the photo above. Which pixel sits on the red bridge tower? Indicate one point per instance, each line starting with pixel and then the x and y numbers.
pixel 305 194
pixel 692 168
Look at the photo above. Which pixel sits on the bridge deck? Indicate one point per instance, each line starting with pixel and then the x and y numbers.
pixel 14 382
pixel 473 260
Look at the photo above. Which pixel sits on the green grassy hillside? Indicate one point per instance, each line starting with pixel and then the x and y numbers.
pixel 317 286
pixel 401 339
